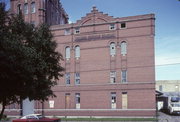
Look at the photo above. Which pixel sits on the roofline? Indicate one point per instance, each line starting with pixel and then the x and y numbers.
pixel 116 20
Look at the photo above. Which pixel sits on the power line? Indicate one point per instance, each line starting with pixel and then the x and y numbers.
pixel 167 64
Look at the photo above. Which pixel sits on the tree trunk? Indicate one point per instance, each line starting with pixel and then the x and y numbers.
pixel 2 111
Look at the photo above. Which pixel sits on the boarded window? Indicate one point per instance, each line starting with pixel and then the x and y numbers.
pixel 67 101
pixel 124 100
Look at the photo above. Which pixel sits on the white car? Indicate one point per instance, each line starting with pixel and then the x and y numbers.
pixel 174 108
pixel 32 116
pixel 36 118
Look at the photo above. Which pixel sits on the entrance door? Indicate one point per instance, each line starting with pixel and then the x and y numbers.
pixel 67 101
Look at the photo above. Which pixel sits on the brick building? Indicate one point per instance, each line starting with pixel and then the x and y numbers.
pixel 110 69
pixel 166 86
pixel 40 11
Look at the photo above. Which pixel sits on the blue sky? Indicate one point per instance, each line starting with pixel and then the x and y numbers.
pixel 167 38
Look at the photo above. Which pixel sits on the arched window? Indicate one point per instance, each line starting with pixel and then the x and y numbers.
pixel 25 8
pixel 18 8
pixel 112 49
pixel 67 53
pixel 77 51
pixel 33 7
pixel 123 48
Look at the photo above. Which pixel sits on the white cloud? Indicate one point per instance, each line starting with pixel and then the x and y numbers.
pixel 163 60
pixel 167 58
pixel 70 22
pixel 167 50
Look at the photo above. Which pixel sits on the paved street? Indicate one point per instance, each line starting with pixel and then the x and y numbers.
pixel 168 118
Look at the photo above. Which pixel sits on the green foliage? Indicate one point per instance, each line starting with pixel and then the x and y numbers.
pixel 29 64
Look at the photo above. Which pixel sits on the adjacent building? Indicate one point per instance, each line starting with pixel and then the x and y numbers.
pixel 168 92
pixel 40 11
pixel 109 62
pixel 168 86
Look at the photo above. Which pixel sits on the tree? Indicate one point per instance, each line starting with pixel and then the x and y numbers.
pixel 29 64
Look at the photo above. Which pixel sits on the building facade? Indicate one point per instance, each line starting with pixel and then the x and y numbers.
pixel 110 68
pixel 40 11
pixel 168 86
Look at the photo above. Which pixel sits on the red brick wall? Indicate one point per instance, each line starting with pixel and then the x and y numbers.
pixel 96 63
pixel 44 11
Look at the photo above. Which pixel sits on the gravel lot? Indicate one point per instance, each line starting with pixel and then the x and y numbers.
pixel 163 117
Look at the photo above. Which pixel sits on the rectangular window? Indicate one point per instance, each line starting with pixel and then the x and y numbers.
pixel 112 77
pixel 33 7
pixel 67 78
pixel 124 100
pixel 76 31
pixel 160 88
pixel 77 100
pixel 124 76
pixel 77 78
pixel 123 25
pixel 51 104
pixel 67 32
pixel 25 8
pixel 112 27
pixel 113 100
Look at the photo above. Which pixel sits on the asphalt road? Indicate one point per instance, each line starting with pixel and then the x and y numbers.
pixel 163 117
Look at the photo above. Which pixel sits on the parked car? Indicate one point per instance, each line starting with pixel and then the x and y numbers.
pixel 36 118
